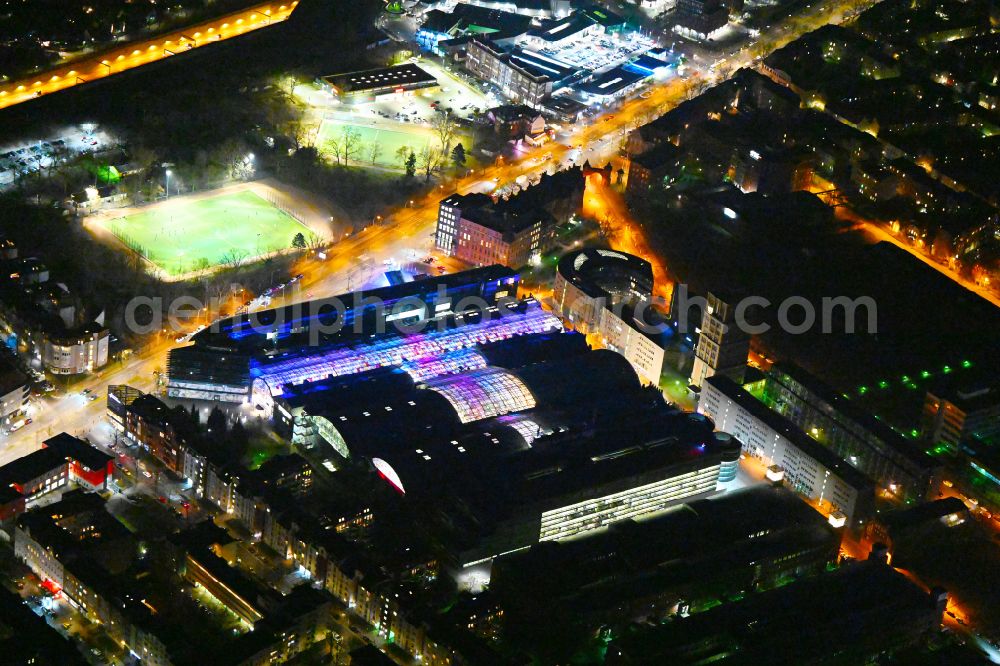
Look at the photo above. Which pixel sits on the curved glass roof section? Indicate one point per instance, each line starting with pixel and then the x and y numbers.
pixel 346 360
pixel 484 393
pixel 424 369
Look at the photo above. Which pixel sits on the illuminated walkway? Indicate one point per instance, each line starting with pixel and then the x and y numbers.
pixel 136 54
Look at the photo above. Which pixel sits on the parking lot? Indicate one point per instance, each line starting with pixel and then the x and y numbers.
pixel 25 158
pixel 597 55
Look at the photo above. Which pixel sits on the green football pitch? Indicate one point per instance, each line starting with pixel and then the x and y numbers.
pixel 183 236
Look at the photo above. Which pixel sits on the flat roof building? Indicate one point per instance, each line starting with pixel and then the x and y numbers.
pixel 807 467
pixel 371 83
pixel 518 452
pixel 846 616
pixel 63 462
pixel 654 568
pixel 900 467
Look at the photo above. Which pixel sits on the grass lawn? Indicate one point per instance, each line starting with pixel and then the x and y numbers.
pixel 183 236
pixel 390 140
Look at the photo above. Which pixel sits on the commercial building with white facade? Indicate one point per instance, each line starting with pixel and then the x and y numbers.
pixel 606 293
pixel 805 465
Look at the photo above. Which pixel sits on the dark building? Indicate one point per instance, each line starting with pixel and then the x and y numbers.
pixel 27 640
pixel 649 570
pixel 846 616
pixel 850 431
pixel 514 455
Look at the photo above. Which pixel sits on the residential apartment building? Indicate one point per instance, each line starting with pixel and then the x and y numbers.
pixel 791 455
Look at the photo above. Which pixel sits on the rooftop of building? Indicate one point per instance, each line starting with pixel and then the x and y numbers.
pixel 383 77
pixel 474 20
pixel 78 450
pixel 539 65
pixel 73 526
pixel 612 81
pixel 11 379
pixel 848 608
pixel 559 29
pixel 853 411
pixel 696 541
pixel 969 394
pixel 251 331
pixel 598 272
pixel 791 432
pixel 901 519
pixel 55 451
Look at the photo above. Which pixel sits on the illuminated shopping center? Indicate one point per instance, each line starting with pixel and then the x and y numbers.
pixel 493 420
pixel 511 442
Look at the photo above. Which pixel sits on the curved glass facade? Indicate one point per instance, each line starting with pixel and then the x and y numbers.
pixel 484 393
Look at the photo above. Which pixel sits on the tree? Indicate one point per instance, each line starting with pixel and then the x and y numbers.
pixel 195 414
pixel 444 127
pixel 458 155
pixel 428 160
pixel 217 423
pixel 299 242
pixel 403 155
pixel 374 150
pixel 237 440
pixel 346 146
pixel 235 257
pixel 411 165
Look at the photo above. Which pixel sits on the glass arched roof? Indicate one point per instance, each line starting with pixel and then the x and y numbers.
pixel 484 393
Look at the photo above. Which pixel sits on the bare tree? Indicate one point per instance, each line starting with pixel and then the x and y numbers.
pixel 351 142
pixel 314 241
pixel 374 151
pixel 445 129
pixel 428 159
pixel 235 258
pixel 346 146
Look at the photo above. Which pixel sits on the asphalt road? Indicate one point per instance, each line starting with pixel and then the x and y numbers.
pixel 119 59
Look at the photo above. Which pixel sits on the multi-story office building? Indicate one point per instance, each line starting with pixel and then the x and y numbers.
pixel 706 549
pixel 723 347
pixel 199 374
pixel 640 335
pixel 524 76
pixel 481 231
pixel 805 465
pixel 900 467
pixel 591 280
pixel 953 413
pixel 607 293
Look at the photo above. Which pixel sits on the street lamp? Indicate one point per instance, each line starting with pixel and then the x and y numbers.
pixel 168 183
